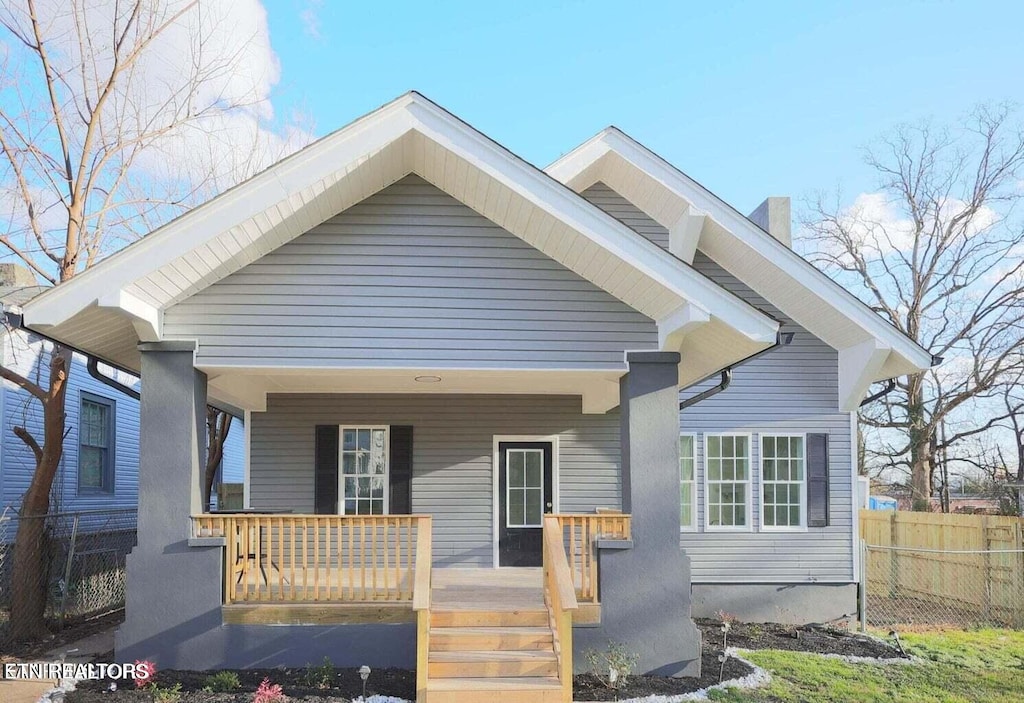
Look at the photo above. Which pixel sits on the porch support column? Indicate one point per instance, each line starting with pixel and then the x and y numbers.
pixel 645 589
pixel 173 590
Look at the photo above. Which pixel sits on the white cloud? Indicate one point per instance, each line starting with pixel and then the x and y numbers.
pixel 879 224
pixel 310 17
pixel 221 47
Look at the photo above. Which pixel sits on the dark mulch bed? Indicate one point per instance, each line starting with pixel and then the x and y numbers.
pixel 345 684
pixel 587 687
pixel 819 639
pixel 70 631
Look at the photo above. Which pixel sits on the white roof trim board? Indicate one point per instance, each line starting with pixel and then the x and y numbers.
pixel 107 309
pixel 870 349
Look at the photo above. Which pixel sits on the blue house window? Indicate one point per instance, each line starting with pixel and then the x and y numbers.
pixel 96 444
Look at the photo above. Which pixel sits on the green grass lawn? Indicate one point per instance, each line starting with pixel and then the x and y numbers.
pixel 980 665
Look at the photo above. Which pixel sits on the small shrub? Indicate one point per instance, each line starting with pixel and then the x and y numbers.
pixel 145 670
pixel 321 676
pixel 268 693
pixel 727 617
pixel 171 694
pixel 613 666
pixel 222 682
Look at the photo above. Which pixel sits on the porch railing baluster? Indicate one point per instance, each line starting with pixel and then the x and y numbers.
pixel 318 558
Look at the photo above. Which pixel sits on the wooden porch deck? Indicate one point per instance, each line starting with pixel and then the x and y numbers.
pixel 501 634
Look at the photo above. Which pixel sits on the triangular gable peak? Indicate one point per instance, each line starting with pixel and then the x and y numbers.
pixel 107 309
pixel 869 348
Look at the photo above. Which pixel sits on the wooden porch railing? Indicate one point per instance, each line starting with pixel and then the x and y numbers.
pixel 318 558
pixel 579 532
pixel 421 604
pixel 560 597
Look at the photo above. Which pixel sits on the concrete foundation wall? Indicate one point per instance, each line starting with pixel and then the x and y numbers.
pixel 795 604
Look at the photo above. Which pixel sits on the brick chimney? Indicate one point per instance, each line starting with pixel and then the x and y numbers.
pixel 773 216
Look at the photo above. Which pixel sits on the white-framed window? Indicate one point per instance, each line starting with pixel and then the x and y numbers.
pixel 783 482
pixel 96 442
pixel 363 468
pixel 727 482
pixel 687 482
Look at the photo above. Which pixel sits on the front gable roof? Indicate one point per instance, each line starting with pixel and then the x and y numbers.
pixel 870 349
pixel 109 308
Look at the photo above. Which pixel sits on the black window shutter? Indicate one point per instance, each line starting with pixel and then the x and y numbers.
pixel 325 484
pixel 817 480
pixel 400 466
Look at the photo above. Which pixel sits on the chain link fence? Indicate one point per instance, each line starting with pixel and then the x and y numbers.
pixel 84 557
pixel 911 586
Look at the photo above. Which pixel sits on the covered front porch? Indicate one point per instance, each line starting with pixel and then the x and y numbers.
pixel 361 560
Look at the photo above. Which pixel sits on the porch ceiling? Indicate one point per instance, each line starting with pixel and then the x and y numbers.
pixel 247 388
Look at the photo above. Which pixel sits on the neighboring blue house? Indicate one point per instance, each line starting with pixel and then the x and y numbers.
pixel 100 466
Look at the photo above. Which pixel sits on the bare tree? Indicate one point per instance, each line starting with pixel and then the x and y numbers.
pixel 115 116
pixel 937 251
pixel 218 425
pixel 998 455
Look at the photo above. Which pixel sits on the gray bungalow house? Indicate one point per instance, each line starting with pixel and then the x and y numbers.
pixel 482 428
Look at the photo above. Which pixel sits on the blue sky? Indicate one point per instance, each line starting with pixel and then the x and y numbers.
pixel 751 99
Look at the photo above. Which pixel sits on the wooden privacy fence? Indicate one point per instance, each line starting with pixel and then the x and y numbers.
pixel 314 558
pixel 936 568
pixel 580 531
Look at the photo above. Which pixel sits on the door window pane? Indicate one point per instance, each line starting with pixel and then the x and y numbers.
pixel 524 476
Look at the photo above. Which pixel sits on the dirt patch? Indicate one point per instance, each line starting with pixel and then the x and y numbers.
pixel 587 687
pixel 818 639
pixel 345 684
pixel 72 631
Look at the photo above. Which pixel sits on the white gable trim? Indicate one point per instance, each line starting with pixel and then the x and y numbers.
pixel 674 200
pixel 409 135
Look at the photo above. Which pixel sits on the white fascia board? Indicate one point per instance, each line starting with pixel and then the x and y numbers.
pixel 146 319
pixel 817 283
pixel 556 198
pixel 237 204
pixel 859 367
pixel 680 322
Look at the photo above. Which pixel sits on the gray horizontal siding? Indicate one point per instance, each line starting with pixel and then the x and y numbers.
pixel 452 455
pixel 627 213
pixel 794 389
pixel 410 277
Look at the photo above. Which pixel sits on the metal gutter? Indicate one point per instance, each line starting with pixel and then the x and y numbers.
pixel 782 339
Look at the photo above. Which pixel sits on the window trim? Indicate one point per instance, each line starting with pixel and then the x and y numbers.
pixel 694 523
pixel 109 476
pixel 760 479
pixel 749 527
pixel 341 465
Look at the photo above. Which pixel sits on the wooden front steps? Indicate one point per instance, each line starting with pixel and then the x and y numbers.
pixel 490 639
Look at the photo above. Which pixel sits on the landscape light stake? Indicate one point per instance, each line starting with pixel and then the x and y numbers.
pixel 364 674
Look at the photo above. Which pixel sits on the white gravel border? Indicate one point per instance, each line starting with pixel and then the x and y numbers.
pixel 755 679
